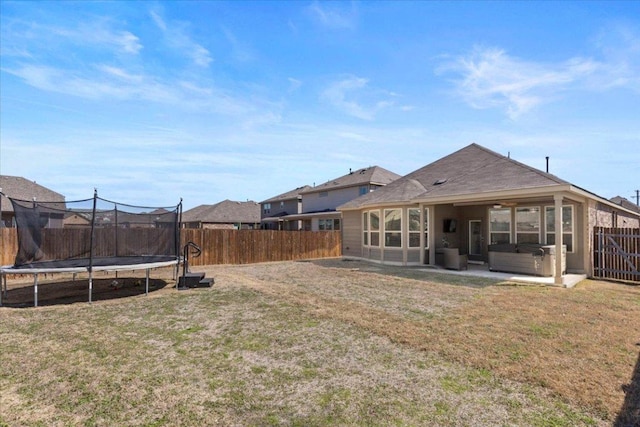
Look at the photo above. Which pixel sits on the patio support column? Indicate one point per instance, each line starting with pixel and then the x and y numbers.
pixel 432 235
pixel 557 198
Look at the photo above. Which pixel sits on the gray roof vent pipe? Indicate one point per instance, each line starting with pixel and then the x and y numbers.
pixel 547 157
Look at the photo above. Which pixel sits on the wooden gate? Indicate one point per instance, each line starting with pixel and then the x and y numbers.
pixel 616 253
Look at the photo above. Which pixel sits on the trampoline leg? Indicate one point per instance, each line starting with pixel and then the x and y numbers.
pixel 147 283
pixel 2 287
pixel 90 285
pixel 35 290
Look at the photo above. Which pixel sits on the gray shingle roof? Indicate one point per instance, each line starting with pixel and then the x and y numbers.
pixel 627 204
pixel 23 189
pixel 371 175
pixel 289 195
pixel 225 212
pixel 469 171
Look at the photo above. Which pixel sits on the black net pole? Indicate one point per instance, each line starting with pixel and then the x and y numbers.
pixel 116 229
pixel 93 224
pixel 178 226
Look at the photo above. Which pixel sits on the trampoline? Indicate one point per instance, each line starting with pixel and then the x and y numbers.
pixel 91 235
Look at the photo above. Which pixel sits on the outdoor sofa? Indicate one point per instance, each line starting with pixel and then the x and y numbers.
pixel 529 259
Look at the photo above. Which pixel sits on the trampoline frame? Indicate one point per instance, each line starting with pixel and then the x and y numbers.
pixel 89 265
pixel 9 269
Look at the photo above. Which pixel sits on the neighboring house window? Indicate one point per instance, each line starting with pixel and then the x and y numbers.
pixel 365 228
pixel 528 225
pixel 281 205
pixel 374 228
pixel 500 225
pixel 323 194
pixel 414 227
pixel 567 226
pixel 266 208
pixel 363 190
pixel 329 224
pixel 425 218
pixel 393 228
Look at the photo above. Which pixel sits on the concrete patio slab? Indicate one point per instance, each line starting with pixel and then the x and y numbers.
pixel 568 280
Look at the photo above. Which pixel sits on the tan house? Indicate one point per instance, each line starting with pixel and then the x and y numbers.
pixel 274 212
pixel 319 203
pixel 481 204
pixel 227 214
pixel 23 189
pixel 627 204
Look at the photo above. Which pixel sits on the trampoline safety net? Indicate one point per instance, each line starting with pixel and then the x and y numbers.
pixel 93 231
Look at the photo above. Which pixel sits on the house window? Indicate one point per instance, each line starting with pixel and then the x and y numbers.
pixel 500 225
pixel 266 208
pixel 414 227
pixel 329 224
pixel 323 194
pixel 528 225
pixel 374 228
pixel 393 228
pixel 281 205
pixel 567 226
pixel 363 190
pixel 365 228
pixel 425 218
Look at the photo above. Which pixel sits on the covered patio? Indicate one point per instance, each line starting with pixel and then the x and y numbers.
pixel 482 270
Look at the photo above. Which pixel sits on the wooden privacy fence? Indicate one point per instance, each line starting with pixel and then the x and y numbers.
pixel 252 246
pixel 616 253
pixel 218 246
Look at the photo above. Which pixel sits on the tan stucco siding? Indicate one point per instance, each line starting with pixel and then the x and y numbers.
pixel 352 233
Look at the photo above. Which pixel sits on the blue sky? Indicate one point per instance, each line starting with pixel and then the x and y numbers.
pixel 150 102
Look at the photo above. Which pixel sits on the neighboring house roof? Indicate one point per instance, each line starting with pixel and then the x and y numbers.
pixel 289 195
pixel 20 188
pixel 470 171
pixel 225 212
pixel 618 200
pixel 371 175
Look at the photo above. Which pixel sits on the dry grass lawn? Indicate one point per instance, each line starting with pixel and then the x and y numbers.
pixel 327 342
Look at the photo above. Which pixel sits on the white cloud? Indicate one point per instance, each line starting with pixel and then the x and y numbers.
pixel 239 51
pixel 21 37
pixel 619 46
pixel 333 15
pixel 175 35
pixel 352 96
pixel 490 78
pixel 294 84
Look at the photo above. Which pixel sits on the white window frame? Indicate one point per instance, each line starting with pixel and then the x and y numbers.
pixel 374 231
pixel 492 232
pixel 413 232
pixel 389 233
pixel 365 228
pixel 521 232
pixel 547 233
pixel 425 221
